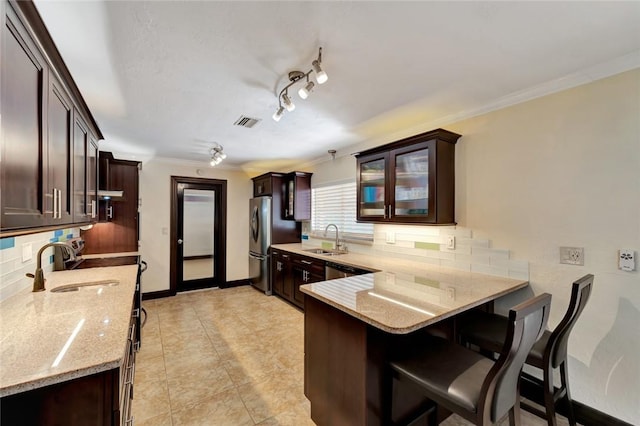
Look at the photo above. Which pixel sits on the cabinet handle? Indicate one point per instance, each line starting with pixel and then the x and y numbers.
pixel 93 209
pixel 55 203
pixel 279 266
pixel 384 213
pixel 135 313
pixel 59 203
pixel 286 212
pixel 286 256
pixel 389 211
pixel 110 212
pixel 131 373
pixel 306 262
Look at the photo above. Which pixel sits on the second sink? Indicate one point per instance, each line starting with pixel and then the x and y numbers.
pixel 77 286
pixel 325 252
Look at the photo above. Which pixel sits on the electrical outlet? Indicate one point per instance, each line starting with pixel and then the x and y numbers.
pixel 451 293
pixel 572 255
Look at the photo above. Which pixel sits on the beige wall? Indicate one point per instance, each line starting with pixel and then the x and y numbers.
pixel 562 170
pixel 155 193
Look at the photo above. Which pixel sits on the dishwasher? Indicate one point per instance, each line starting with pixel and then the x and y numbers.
pixel 336 270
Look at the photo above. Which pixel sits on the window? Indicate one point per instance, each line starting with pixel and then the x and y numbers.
pixel 336 203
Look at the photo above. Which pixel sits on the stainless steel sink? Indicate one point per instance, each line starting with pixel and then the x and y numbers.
pixel 325 252
pixel 88 284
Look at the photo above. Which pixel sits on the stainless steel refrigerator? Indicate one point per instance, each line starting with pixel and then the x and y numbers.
pixel 259 242
pixel 266 227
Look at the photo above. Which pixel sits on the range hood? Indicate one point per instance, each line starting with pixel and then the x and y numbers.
pixel 110 195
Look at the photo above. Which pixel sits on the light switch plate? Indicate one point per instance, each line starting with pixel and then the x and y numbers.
pixel 626 260
pixel 391 237
pixel 451 242
pixel 27 252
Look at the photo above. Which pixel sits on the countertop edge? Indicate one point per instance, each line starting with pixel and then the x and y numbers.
pixel 306 288
pixel 59 378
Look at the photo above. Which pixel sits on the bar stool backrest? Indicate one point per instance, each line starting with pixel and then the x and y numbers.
pixel 527 322
pixel 556 349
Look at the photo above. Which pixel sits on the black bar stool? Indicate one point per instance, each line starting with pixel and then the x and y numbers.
pixel 475 387
pixel 488 332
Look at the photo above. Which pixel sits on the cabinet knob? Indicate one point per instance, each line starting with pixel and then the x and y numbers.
pixel 179 240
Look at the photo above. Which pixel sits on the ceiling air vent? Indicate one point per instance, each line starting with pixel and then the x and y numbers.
pixel 244 121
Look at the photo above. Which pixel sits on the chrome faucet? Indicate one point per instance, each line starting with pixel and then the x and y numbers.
pixel 338 244
pixel 38 276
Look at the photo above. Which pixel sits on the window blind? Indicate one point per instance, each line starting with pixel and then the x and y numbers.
pixel 337 204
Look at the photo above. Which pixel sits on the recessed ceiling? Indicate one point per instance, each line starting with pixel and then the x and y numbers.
pixel 165 79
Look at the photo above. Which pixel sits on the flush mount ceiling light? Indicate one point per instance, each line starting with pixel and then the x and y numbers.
pixel 217 155
pixel 284 101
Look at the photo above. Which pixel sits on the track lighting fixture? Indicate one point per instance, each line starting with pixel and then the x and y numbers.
pixel 284 101
pixel 217 155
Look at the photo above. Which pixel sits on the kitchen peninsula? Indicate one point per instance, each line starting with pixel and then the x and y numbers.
pixel 354 325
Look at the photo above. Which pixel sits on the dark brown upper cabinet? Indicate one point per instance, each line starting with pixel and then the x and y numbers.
pixel 297 199
pixel 43 147
pixel 92 177
pixel 263 184
pixel 24 146
pixel 58 192
pixel 81 208
pixel 408 181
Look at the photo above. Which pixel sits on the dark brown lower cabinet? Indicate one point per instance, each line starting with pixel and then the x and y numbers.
pixel 305 270
pixel 101 399
pixel 289 271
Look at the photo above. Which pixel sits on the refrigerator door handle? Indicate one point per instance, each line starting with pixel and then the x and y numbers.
pixel 257 257
pixel 255 224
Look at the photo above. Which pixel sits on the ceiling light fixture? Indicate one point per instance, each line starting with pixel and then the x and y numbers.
pixel 304 92
pixel 217 155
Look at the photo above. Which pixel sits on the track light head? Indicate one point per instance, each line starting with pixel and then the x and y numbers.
pixel 286 100
pixel 278 114
pixel 321 76
pixel 306 90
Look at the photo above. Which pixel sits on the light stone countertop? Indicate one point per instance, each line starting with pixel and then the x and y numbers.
pixel 405 295
pixel 92 324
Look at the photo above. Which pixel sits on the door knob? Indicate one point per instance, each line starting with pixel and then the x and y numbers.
pixel 179 241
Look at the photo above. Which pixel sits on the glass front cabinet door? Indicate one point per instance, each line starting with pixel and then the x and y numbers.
pixel 372 197
pixel 408 181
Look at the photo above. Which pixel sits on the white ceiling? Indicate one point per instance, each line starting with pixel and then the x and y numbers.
pixel 165 78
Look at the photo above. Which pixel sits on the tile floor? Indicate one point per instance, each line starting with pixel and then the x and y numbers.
pixel 226 357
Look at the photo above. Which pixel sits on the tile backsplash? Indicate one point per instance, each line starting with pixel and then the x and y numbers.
pixel 12 268
pixel 428 244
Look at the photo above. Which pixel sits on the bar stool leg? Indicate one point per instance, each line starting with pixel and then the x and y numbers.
pixel 564 379
pixel 548 395
pixel 514 416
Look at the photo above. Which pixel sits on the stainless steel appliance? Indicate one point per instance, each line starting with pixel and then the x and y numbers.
pixel 267 226
pixel 62 259
pixel 336 270
pixel 259 242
